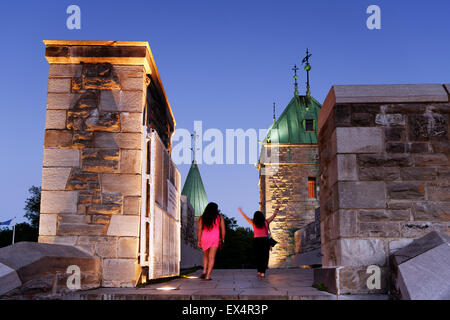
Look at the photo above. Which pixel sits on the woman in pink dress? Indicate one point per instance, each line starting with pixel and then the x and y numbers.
pixel 261 245
pixel 211 233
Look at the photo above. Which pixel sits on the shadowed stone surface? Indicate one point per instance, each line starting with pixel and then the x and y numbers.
pixel 230 284
pixel 423 270
pixel 29 268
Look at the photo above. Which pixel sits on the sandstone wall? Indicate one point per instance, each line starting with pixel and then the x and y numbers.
pixel 385 176
pixel 94 133
pixel 289 187
pixel 91 177
pixel 191 254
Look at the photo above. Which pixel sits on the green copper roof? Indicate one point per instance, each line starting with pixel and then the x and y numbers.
pixel 194 190
pixel 290 127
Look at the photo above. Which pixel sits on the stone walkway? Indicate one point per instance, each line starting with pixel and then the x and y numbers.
pixel 279 284
pixel 229 284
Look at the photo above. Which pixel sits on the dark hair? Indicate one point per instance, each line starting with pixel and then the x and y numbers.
pixel 259 220
pixel 210 215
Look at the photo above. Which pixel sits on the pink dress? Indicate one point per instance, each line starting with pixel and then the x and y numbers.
pixel 211 237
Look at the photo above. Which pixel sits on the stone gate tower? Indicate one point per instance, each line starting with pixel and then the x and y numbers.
pixel 293 180
pixel 105 99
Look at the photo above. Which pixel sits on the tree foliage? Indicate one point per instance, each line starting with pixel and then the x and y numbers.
pixel 25 231
pixel 237 252
pixel 33 206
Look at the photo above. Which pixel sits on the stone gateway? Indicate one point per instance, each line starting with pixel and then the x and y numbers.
pixel 105 106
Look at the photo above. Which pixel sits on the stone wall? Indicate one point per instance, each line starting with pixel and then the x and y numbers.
pixel 191 254
pixel 307 243
pixel 385 177
pixel 92 175
pixel 288 187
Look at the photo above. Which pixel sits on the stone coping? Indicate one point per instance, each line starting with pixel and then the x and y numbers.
pixel 382 93
pixel 114 52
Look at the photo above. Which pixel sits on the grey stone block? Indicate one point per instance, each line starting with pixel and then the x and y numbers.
pixel 361 195
pixel 389 93
pixel 419 246
pixel 35 263
pixel 447 86
pixel 309 258
pixel 9 279
pixel 359 140
pixel 423 271
pixel 326 277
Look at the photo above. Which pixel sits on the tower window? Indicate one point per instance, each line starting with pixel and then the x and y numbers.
pixel 309 124
pixel 312 188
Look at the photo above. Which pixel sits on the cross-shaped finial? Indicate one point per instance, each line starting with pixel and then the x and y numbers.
pixel 307 69
pixel 274 117
pixel 194 145
pixel 295 68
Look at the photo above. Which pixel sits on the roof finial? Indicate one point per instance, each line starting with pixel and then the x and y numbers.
pixel 274 117
pixel 194 137
pixel 295 68
pixel 307 68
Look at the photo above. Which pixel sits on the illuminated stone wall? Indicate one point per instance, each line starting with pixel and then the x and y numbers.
pixel 91 176
pixel 288 187
pixel 385 177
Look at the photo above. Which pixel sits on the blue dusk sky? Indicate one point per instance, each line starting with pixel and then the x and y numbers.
pixel 221 62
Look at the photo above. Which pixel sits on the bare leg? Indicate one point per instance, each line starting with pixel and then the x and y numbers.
pixel 211 260
pixel 205 261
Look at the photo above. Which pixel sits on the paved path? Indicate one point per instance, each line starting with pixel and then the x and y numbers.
pixel 279 284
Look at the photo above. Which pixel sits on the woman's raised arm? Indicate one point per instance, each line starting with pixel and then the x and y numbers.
pixel 274 214
pixel 245 217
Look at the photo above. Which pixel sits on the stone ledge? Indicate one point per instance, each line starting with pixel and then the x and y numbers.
pixel 390 93
pixel 38 265
pixel 382 93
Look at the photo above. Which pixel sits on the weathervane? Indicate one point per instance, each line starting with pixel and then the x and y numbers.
pixel 194 145
pixel 307 69
pixel 295 68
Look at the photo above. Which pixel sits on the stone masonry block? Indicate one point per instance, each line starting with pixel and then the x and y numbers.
pixel 118 140
pixel 360 252
pixel 47 224
pixel 55 178
pixel 64 70
pixel 130 161
pixel 126 184
pixel 61 158
pixel 128 247
pixel 129 71
pixel 131 121
pixel 59 85
pixel 55 119
pixel 405 190
pixel 128 101
pixel 133 84
pixel 364 194
pixel 359 140
pixel 124 226
pixel 347 167
pixel 58 139
pixel 120 271
pixel 132 205
pixel 61 101
pixel 59 201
